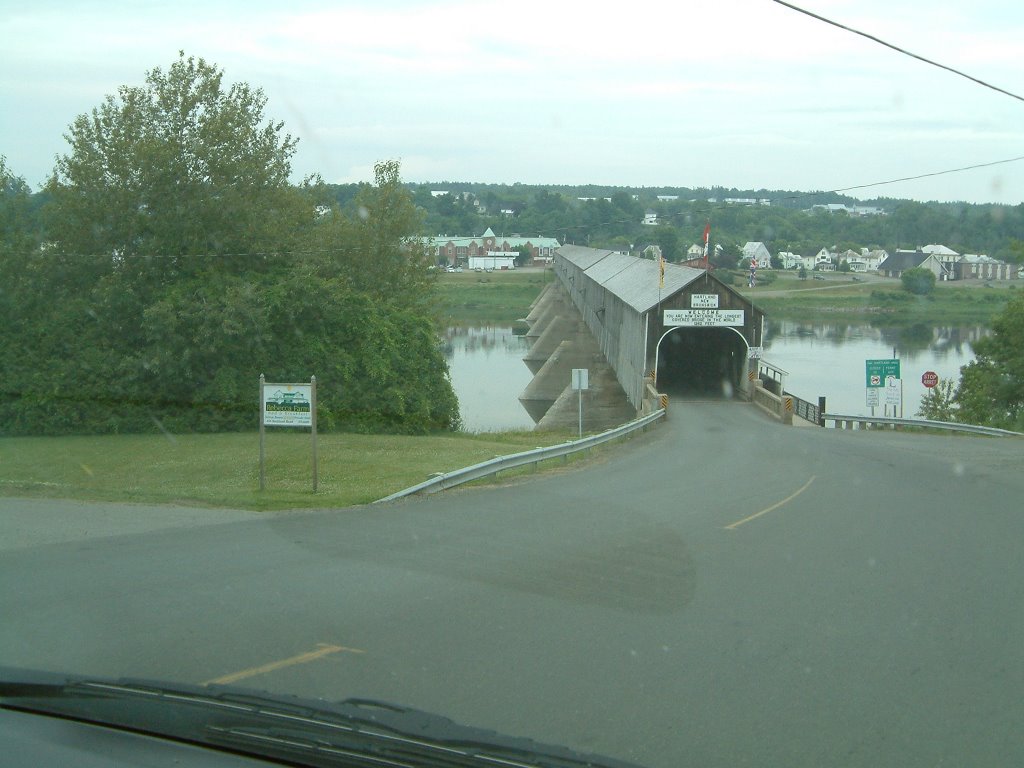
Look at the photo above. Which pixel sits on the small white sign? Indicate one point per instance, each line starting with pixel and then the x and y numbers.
pixel 871 396
pixel 287 405
pixel 704 301
pixel 755 353
pixel 893 393
pixel 703 317
pixel 580 379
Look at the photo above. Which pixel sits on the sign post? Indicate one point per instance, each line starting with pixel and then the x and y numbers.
pixel 580 382
pixel 287 405
pixel 883 375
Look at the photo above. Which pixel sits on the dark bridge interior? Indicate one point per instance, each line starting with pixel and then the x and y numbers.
pixel 701 362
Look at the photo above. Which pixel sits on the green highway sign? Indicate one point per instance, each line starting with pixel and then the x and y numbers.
pixel 877 371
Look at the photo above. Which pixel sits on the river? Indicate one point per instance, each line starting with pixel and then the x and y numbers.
pixel 821 359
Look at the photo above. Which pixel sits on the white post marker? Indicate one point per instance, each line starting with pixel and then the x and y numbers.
pixel 287 405
pixel 580 382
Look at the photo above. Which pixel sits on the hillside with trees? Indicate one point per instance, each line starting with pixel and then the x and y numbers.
pixel 610 217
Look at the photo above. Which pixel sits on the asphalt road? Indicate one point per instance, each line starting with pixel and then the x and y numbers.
pixel 722 591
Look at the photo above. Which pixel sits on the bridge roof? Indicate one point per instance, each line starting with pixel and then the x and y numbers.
pixel 633 280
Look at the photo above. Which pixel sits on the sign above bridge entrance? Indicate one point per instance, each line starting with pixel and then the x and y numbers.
pixel 703 317
pixel 704 300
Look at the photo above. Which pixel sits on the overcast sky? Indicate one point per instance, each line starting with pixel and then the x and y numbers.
pixel 738 93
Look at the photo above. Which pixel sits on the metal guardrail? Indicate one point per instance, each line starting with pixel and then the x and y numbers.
pixel 921 423
pixel 805 409
pixel 494 466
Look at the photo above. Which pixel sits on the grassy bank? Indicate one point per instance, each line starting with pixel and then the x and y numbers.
pixel 879 300
pixel 489 297
pixel 222 470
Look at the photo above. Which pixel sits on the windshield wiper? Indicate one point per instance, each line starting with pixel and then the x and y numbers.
pixel 353 732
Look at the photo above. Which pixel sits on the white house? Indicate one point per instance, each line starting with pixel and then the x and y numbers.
pixel 823 261
pixel 790 260
pixel 650 219
pixel 758 252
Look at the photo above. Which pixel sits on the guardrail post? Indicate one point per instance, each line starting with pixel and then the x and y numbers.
pixel 821 411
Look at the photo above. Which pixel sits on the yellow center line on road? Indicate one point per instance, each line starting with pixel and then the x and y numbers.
pixel 738 523
pixel 322 650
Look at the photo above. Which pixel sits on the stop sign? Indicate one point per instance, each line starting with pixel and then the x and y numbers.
pixel 930 379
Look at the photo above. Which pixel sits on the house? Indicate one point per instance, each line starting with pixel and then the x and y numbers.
pixel 901 261
pixel 869 260
pixel 695 251
pixel 973 266
pixel 821 260
pixel 650 219
pixel 458 250
pixel 758 253
pixel 790 260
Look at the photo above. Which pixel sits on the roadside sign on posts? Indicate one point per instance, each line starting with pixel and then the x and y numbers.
pixel 580 378
pixel 287 405
pixel 893 391
pixel 580 382
pixel 877 371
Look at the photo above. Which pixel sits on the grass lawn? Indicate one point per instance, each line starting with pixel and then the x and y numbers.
pixel 879 300
pixel 222 470
pixel 489 297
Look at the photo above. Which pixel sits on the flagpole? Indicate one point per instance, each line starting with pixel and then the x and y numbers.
pixel 707 236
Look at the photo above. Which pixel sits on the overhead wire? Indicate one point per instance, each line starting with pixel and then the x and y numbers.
pixel 899 49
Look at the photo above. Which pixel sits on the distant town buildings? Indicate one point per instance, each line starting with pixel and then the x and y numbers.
pixel 497 251
pixel 852 210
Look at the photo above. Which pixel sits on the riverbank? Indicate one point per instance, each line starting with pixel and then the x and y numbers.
pixel 879 300
pixel 499 297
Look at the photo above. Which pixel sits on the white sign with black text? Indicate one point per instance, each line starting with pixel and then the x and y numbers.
pixel 703 317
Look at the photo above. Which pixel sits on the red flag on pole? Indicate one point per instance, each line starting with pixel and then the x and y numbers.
pixel 661 271
pixel 707 235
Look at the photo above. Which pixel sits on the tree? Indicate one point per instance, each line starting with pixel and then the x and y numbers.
pixel 939 402
pixel 667 237
pixel 17 229
pixel 991 387
pixel 919 281
pixel 185 265
pixel 182 166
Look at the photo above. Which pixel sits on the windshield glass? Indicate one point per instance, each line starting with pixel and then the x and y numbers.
pixel 645 381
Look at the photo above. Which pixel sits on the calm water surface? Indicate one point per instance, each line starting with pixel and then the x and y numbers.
pixel 488 372
pixel 488 375
pixel 828 360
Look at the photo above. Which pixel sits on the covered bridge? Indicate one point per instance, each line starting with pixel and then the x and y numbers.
pixel 694 330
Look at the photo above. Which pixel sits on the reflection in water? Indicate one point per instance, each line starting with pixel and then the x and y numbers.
pixel 488 372
pixel 488 375
pixel 828 359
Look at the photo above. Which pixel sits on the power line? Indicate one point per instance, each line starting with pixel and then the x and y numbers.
pixel 899 50
pixel 929 175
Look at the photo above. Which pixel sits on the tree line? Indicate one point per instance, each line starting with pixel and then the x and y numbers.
pixel 610 217
pixel 171 262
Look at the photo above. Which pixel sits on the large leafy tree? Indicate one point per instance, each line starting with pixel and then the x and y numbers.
pixel 182 166
pixel 17 229
pixel 184 264
pixel 991 387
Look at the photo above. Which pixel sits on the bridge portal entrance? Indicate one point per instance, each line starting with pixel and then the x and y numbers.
pixel 701 362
